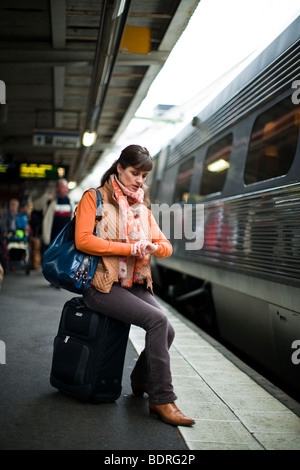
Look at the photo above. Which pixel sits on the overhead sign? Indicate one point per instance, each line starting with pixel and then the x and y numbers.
pixel 56 139
pixel 41 171
pixel 15 171
pixel 9 171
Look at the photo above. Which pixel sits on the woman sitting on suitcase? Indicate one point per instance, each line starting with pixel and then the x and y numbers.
pixel 122 287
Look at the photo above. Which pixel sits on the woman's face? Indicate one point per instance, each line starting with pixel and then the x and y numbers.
pixel 130 177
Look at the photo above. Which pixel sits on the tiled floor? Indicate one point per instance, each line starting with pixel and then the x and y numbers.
pixel 231 410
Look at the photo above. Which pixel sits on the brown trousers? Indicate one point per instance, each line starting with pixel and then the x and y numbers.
pixel 137 306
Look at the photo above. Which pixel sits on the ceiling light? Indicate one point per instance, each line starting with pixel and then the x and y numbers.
pixel 89 138
pixel 72 184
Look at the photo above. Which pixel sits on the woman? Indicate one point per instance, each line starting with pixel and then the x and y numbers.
pixel 122 286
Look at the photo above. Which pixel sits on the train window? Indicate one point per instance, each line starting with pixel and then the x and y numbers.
pixel 183 183
pixel 216 164
pixel 273 142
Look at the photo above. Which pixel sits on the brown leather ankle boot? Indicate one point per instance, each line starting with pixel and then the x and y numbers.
pixel 169 413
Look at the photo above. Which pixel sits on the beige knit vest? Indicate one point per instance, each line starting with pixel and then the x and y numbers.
pixel 109 229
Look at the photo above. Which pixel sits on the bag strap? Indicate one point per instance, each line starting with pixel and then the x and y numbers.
pixel 99 205
pixel 99 208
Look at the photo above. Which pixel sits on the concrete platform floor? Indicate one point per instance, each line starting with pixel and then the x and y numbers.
pixel 33 414
pixel 232 411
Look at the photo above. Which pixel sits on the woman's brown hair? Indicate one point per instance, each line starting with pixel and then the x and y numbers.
pixel 136 156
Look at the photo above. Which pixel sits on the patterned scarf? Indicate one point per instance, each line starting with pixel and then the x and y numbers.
pixel 131 269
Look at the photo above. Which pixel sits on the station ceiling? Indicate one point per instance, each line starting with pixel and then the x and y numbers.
pixel 67 68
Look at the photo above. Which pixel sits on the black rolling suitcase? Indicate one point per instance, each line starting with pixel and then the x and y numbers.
pixel 89 353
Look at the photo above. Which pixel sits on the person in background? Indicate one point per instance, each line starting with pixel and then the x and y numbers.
pixel 8 220
pixel 7 230
pixel 122 285
pixel 22 225
pixel 57 213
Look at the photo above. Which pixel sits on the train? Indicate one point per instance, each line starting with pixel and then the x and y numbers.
pixel 229 187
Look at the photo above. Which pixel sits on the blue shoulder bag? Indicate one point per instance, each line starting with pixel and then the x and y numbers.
pixel 66 267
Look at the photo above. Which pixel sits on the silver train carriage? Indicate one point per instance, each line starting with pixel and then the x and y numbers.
pixel 239 160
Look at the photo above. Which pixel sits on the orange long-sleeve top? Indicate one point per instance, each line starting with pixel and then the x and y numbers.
pixel 91 244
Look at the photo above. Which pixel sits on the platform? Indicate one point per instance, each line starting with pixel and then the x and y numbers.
pixel 232 411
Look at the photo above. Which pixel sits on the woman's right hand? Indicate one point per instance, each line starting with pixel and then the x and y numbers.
pixel 143 248
pixel 136 250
